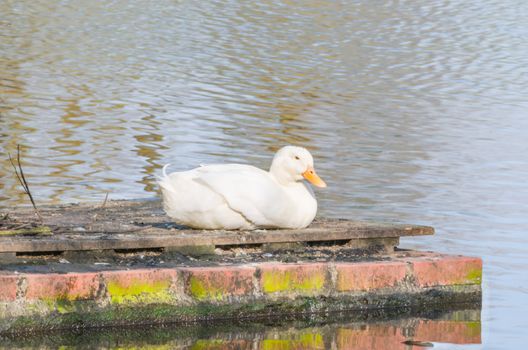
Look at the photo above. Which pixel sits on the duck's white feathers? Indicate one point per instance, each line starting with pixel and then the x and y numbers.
pixel 236 196
pixel 191 202
pixel 247 190
pixel 233 196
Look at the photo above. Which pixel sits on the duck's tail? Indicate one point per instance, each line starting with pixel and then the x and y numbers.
pixel 163 180
pixel 164 170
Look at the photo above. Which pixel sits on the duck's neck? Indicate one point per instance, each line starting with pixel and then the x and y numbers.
pixel 281 175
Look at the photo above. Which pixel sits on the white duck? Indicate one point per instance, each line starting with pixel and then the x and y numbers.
pixel 243 197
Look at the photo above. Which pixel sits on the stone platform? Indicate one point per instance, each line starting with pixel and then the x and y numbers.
pixel 108 297
pixel 338 266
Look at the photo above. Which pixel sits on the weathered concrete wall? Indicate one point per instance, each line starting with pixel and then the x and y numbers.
pixel 32 301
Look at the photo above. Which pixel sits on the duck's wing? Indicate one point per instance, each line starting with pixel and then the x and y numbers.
pixel 192 203
pixel 249 191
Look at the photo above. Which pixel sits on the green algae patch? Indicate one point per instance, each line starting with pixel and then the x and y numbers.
pixel 473 328
pixel 83 313
pixel 62 306
pixel 139 292
pixel 114 316
pixel 286 281
pixel 474 276
pixel 34 231
pixel 204 291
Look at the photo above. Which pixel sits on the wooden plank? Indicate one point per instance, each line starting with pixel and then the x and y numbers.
pixel 153 239
pixel 143 225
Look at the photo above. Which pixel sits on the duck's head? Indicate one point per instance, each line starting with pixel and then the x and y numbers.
pixel 292 164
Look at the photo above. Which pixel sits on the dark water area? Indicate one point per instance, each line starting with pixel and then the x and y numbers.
pixel 414 111
pixel 443 330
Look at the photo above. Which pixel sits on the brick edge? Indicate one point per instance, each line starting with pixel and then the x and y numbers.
pixel 25 294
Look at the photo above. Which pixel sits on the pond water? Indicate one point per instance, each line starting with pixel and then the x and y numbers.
pixel 415 111
pixel 450 330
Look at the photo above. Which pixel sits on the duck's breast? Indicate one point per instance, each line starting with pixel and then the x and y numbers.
pixel 304 205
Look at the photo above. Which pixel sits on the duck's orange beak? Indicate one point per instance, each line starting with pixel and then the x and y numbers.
pixel 314 179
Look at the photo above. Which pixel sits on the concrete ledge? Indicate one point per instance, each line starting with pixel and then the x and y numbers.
pixel 33 301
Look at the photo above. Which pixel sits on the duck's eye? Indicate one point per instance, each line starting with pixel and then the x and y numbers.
pixel 297 157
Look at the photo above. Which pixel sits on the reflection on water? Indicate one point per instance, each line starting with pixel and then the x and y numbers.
pixel 445 331
pixel 415 111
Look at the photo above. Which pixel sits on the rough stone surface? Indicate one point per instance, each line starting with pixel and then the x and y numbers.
pixel 8 287
pixel 295 279
pixel 218 283
pixel 368 276
pixel 70 286
pixel 447 270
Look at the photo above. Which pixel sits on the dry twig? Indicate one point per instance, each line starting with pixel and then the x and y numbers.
pixel 22 179
pixel 104 202
pixel 94 217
